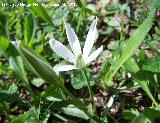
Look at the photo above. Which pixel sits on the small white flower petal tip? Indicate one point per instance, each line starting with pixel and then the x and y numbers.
pixel 94 55
pixel 73 39
pixel 91 37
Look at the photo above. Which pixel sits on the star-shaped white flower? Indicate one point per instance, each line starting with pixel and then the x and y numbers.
pixel 76 57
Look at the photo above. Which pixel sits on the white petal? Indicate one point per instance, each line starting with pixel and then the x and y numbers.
pixel 91 37
pixel 73 40
pixel 16 43
pixel 110 101
pixel 62 50
pixel 94 55
pixel 60 68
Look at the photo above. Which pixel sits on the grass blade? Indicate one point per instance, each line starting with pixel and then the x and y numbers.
pixel 41 12
pixel 132 44
pixel 145 87
pixel 28 29
pixel 131 65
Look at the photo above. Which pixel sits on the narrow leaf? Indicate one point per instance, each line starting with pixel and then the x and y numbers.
pixel 144 86
pixel 42 68
pixel 73 111
pixel 152 65
pixel 40 11
pixel 132 44
pixel 4 43
pixel 28 29
pixel 131 65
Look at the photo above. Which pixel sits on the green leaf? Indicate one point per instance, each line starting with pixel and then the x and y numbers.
pixel 70 121
pixel 155 4
pixel 144 86
pixel 12 88
pixel 34 113
pixel 3 22
pixel 112 21
pixel 4 106
pixel 141 119
pixel 130 114
pixel 10 94
pixel 18 29
pixel 148 116
pixel 131 65
pixel 132 44
pixel 37 82
pixel 41 12
pixel 21 118
pixel 18 66
pixel 4 43
pixel 44 70
pixel 31 116
pixel 74 111
pixel 45 119
pixel 152 65
pixel 79 3
pixel 52 94
pixel 77 81
pixel 28 29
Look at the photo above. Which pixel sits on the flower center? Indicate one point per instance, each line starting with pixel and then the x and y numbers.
pixel 80 62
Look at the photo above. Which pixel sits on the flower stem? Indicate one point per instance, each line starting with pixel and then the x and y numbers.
pixel 88 84
pixel 77 102
pixel 32 94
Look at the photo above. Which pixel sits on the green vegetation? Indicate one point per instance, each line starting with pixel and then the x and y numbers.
pixel 52 69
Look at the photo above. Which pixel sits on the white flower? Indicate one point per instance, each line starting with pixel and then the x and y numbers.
pixel 76 57
pixel 16 43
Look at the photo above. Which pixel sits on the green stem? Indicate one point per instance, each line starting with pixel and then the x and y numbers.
pixel 77 102
pixel 112 117
pixel 48 108
pixel 60 117
pixel 31 93
pixel 88 84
